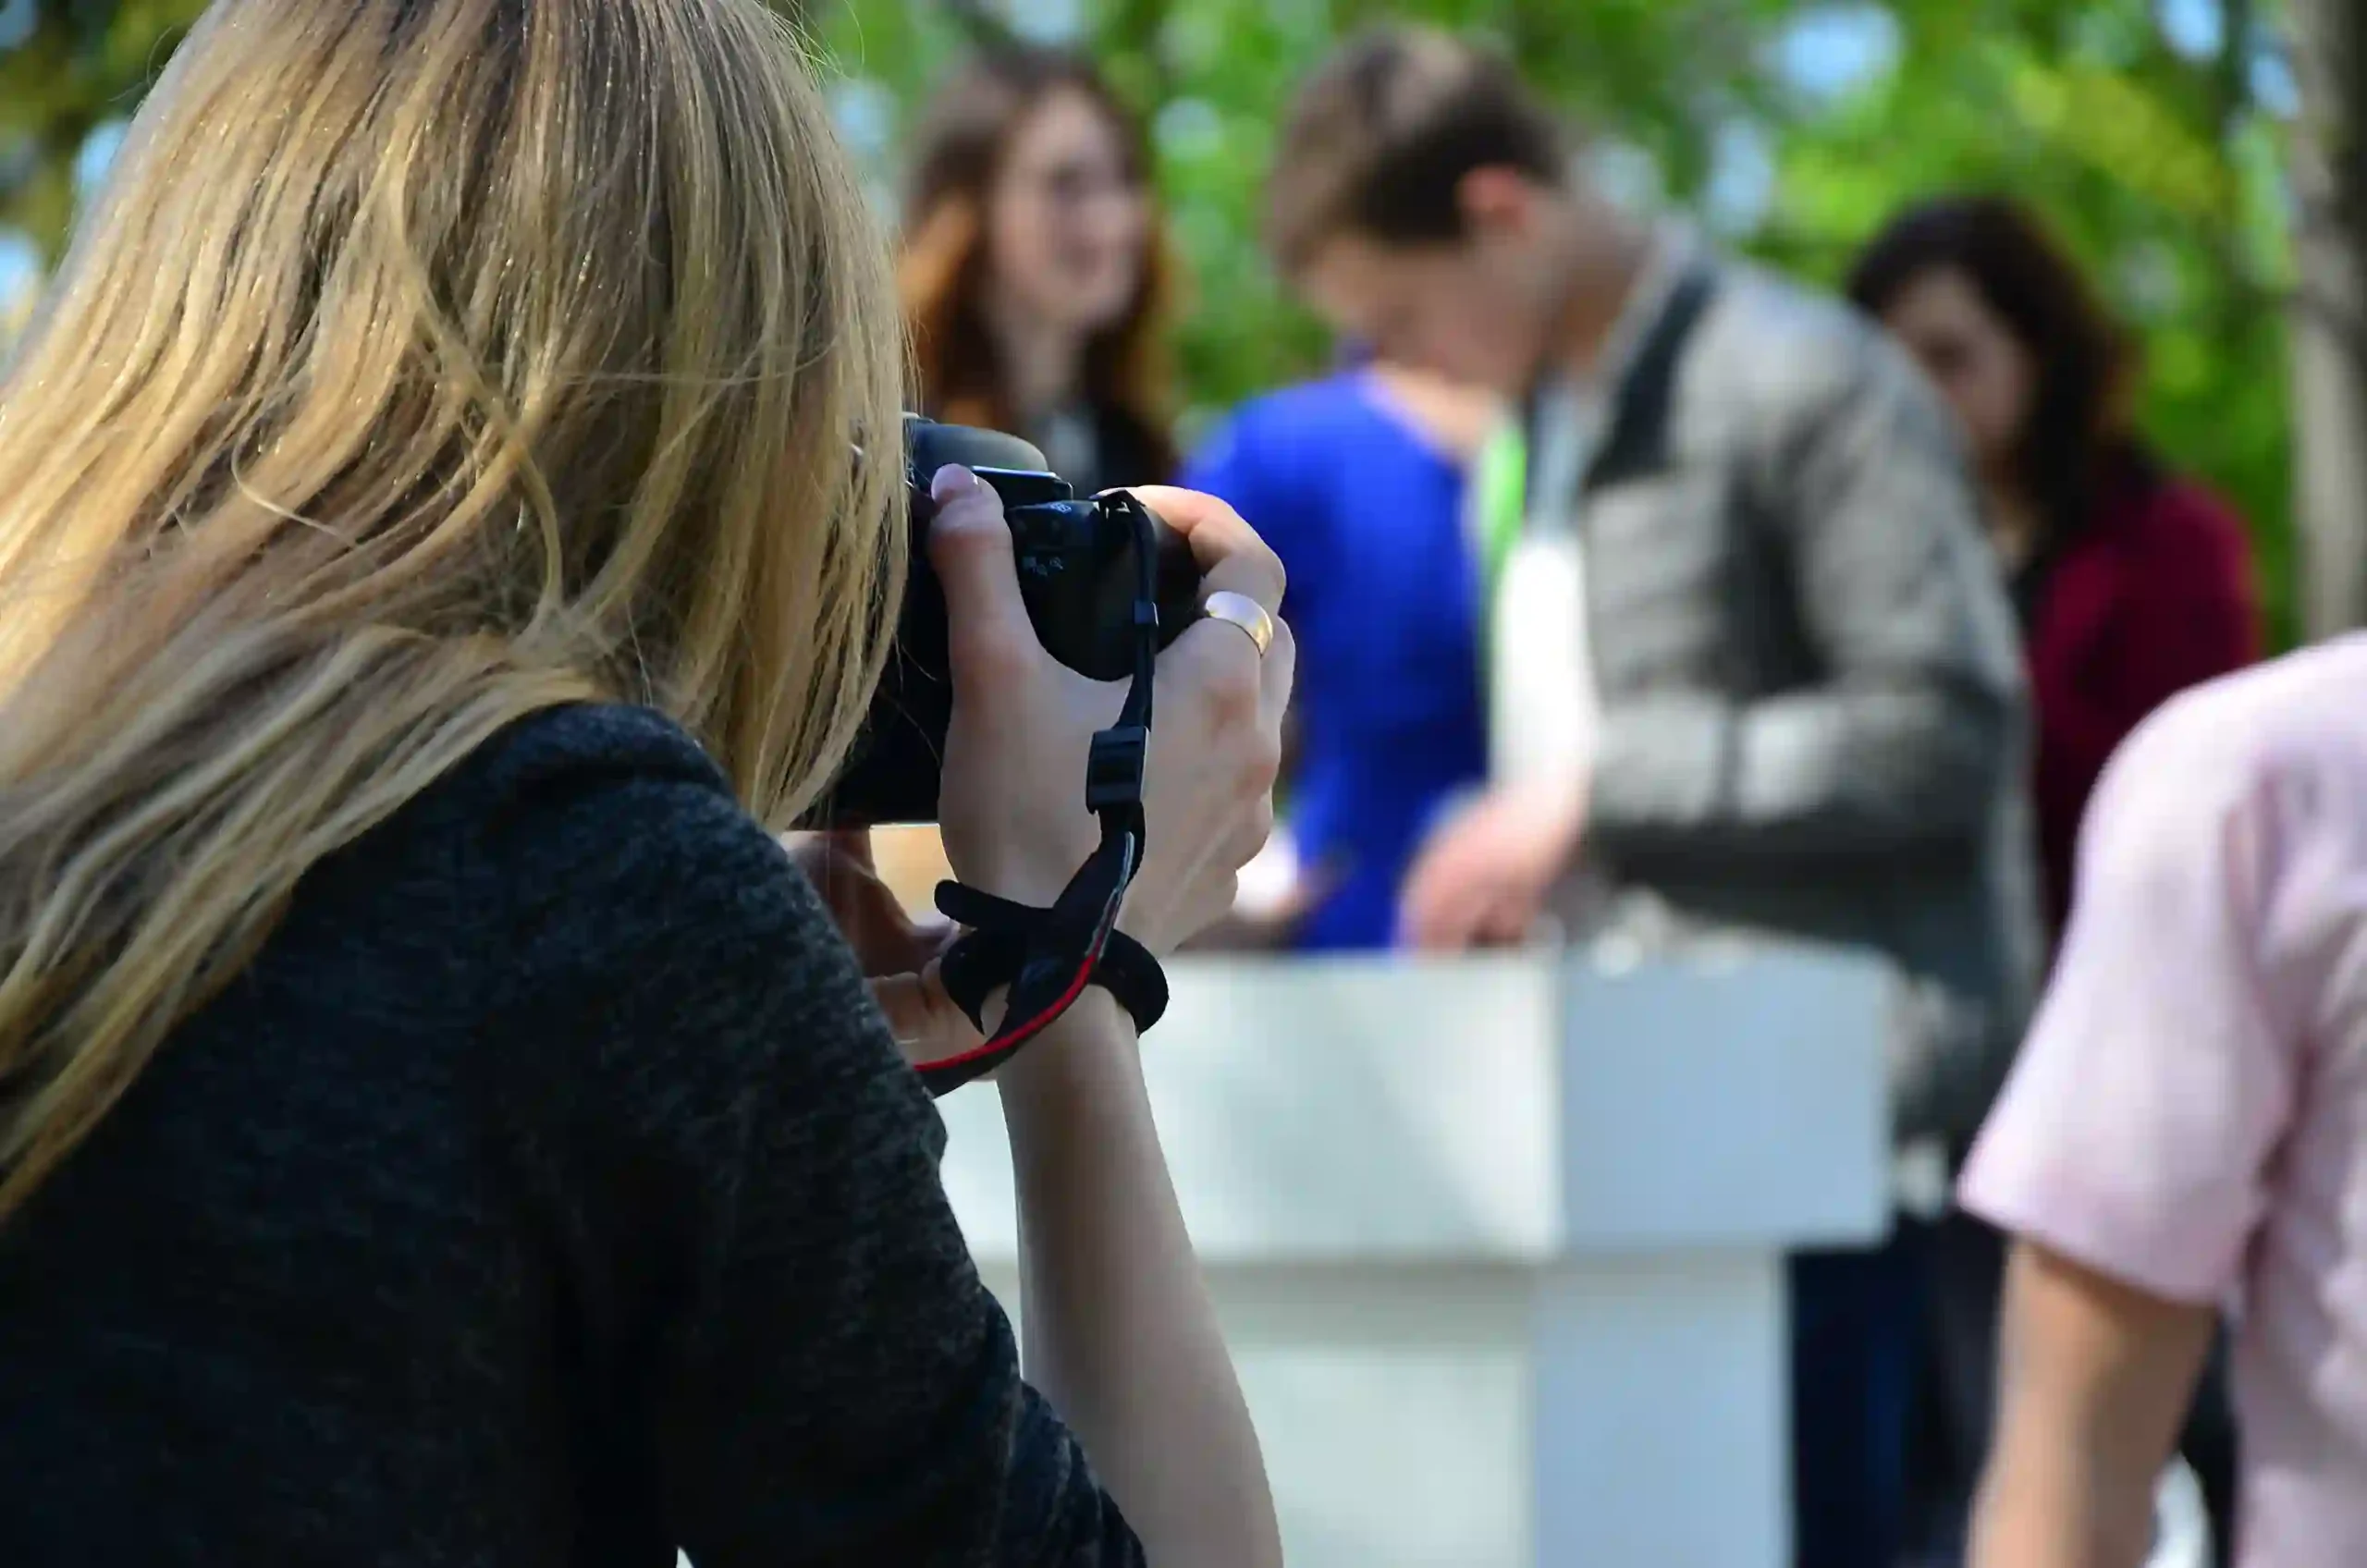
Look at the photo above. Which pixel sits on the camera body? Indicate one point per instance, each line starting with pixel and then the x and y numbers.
pixel 1078 574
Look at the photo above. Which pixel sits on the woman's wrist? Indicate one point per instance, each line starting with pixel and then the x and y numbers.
pixel 1028 863
pixel 1075 1055
pixel 1033 889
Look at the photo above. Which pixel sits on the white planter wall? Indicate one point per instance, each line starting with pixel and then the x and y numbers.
pixel 1498 1242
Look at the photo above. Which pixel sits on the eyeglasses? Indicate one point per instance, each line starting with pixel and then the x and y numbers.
pixel 1075 184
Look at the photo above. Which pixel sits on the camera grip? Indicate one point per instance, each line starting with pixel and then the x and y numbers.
pixel 1078 575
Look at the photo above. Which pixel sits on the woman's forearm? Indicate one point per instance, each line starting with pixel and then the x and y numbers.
pixel 1121 1334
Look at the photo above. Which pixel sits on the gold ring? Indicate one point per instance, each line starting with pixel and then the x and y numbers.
pixel 1240 609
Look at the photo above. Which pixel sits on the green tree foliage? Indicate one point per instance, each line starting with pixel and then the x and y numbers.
pixel 67 67
pixel 2162 169
pixel 2161 165
pixel 2158 164
pixel 1212 76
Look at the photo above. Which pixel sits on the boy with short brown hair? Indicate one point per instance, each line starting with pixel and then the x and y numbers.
pixel 1750 662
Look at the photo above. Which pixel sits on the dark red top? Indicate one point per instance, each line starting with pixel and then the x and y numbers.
pixel 2153 595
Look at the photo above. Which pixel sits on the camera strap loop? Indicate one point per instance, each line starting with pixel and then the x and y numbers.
pixel 1047 957
pixel 1007 940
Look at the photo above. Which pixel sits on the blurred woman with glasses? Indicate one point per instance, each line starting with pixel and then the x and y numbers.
pixel 1033 273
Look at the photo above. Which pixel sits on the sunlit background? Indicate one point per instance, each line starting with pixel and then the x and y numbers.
pixel 2150 131
pixel 2157 137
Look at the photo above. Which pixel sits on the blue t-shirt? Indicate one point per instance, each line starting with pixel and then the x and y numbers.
pixel 1367 515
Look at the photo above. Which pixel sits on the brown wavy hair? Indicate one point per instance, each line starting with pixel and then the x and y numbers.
pixel 942 271
pixel 2079 436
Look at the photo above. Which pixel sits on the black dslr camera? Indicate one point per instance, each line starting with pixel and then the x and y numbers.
pixel 1080 572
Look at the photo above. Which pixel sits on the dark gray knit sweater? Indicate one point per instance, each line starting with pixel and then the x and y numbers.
pixel 547 1192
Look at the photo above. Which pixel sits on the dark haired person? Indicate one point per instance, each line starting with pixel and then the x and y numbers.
pixel 2132 584
pixel 1032 274
pixel 1748 655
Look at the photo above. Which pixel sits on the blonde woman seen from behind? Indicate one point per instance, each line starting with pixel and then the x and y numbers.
pixel 438 1122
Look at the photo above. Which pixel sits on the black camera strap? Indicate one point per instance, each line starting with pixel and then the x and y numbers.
pixel 1047 957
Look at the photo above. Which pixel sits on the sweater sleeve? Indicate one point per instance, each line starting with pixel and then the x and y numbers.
pixel 743 1172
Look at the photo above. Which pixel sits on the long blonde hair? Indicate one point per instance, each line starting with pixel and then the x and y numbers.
pixel 425 363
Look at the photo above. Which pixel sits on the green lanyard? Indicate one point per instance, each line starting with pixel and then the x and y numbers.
pixel 1500 493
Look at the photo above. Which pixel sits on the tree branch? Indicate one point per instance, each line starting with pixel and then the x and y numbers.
pixel 2329 166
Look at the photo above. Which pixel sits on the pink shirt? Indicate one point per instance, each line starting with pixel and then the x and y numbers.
pixel 2190 1114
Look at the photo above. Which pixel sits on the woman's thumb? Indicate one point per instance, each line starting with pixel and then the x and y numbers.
pixel 929 1025
pixel 969 545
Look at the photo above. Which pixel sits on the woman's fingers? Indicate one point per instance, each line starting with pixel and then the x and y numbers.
pixel 840 879
pixel 992 641
pixel 874 922
pixel 1230 552
pixel 1278 674
pixel 854 844
pixel 991 637
pixel 901 944
pixel 1242 684
pixel 927 1025
pixel 1233 559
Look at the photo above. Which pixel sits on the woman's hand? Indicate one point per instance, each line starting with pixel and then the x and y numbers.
pixel 886 938
pixel 897 953
pixel 1119 1331
pixel 1012 804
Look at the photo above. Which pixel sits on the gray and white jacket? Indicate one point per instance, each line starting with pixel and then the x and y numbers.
pixel 1811 708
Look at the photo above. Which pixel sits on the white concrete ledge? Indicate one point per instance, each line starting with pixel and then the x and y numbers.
pixel 1498 1243
pixel 1509 1109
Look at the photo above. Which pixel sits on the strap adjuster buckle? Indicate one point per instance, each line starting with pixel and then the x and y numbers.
pixel 1113 771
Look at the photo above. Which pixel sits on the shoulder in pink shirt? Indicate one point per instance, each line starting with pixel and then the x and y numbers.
pixel 2189 1113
